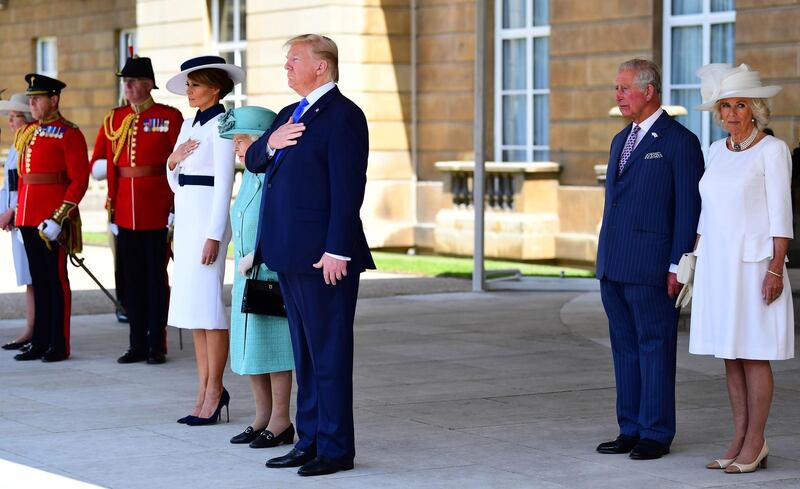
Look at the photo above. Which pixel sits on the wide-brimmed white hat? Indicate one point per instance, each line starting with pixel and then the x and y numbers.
pixel 18 103
pixel 720 80
pixel 177 84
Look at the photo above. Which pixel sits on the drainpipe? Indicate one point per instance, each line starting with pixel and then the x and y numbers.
pixel 414 123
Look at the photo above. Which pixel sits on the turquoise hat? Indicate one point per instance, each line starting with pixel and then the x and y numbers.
pixel 245 120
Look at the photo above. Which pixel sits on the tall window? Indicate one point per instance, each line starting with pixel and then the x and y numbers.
pixel 522 80
pixel 47 56
pixel 228 28
pixel 696 32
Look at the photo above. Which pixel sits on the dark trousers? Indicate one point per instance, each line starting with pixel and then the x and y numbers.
pixel 321 324
pixel 142 257
pixel 119 280
pixel 643 326
pixel 51 292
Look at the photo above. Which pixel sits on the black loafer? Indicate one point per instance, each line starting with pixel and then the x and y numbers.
pixel 324 466
pixel 156 359
pixel 53 355
pixel 122 317
pixel 131 356
pixel 648 449
pixel 295 458
pixel 14 345
pixel 623 444
pixel 267 439
pixel 29 354
pixel 249 434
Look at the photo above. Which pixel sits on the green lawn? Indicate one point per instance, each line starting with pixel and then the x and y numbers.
pixel 432 266
pixel 447 266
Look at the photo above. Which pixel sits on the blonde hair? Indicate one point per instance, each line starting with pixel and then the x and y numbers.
pixel 759 108
pixel 323 48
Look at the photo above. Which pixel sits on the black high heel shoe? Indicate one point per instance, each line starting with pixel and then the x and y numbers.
pixel 224 401
pixel 186 419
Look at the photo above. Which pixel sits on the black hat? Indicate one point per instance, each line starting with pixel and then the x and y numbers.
pixel 43 85
pixel 136 67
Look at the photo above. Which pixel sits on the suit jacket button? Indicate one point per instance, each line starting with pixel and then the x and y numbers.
pixel 269 185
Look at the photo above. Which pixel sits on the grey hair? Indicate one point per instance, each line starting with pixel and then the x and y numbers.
pixel 646 73
pixel 758 106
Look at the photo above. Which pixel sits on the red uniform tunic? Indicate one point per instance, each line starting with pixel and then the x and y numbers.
pixel 56 147
pixel 138 198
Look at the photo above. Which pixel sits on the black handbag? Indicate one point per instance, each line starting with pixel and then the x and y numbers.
pixel 262 297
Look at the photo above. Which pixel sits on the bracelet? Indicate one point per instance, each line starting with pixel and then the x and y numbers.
pixel 773 273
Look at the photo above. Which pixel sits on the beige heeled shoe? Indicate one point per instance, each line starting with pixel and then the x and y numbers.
pixel 760 461
pixel 720 463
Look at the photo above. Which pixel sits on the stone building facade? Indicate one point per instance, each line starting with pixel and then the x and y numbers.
pixel 410 64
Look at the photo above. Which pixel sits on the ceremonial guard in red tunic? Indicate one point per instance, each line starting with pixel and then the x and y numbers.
pixel 54 174
pixel 136 140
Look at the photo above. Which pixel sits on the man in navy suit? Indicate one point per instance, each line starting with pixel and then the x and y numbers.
pixel 652 205
pixel 310 232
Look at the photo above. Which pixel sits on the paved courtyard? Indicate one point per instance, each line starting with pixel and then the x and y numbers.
pixel 453 390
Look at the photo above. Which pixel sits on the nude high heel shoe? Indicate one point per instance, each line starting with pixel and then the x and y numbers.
pixel 720 463
pixel 760 461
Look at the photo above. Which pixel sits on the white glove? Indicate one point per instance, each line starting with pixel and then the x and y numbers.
pixel 171 219
pixel 99 169
pixel 49 229
pixel 246 263
pixel 114 229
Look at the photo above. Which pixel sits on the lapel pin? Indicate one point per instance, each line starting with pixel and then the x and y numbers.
pixel 654 134
pixel 316 110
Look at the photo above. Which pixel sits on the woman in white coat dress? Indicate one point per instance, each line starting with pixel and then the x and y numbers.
pixel 19 114
pixel 200 172
pixel 742 305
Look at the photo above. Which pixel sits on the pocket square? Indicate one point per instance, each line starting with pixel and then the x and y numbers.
pixel 656 154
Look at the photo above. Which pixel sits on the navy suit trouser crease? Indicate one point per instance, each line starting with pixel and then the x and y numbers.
pixel 643 326
pixel 321 325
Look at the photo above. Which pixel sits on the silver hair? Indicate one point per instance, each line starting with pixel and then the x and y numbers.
pixel 646 73
pixel 759 107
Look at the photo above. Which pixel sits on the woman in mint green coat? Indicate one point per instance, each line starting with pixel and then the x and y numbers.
pixel 260 345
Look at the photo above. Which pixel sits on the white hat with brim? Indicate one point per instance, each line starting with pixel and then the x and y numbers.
pixel 177 84
pixel 17 103
pixel 720 81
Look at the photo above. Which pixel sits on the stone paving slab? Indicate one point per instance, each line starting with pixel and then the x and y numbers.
pixel 453 390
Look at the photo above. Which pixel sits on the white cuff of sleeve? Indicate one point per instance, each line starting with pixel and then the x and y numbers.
pixel 673 268
pixel 270 151
pixel 338 257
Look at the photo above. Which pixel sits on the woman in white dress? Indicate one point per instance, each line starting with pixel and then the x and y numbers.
pixel 200 172
pixel 742 305
pixel 19 114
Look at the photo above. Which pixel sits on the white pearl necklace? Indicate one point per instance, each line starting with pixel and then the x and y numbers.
pixel 744 144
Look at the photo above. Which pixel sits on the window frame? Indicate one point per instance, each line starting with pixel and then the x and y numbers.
pixel 238 46
pixel 704 19
pixel 528 34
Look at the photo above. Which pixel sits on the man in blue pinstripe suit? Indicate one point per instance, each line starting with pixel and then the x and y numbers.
pixel 650 217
